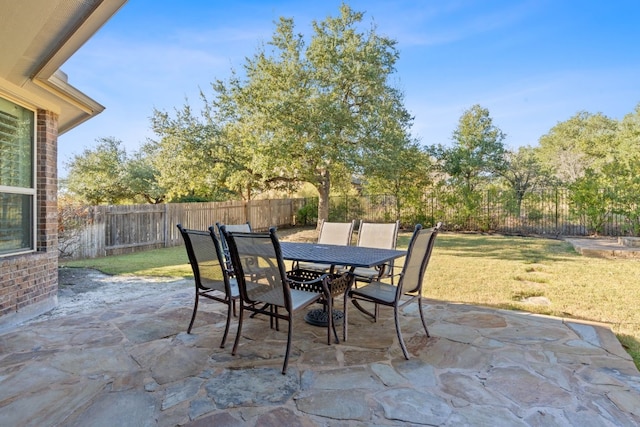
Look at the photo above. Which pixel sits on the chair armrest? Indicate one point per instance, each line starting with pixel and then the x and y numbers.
pixel 308 280
pixel 314 281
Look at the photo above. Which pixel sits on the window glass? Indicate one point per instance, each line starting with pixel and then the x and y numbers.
pixel 16 227
pixel 17 182
pixel 16 145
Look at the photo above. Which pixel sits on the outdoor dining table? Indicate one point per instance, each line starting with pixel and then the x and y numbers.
pixel 345 257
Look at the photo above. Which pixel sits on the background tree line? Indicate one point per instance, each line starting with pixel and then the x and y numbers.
pixel 319 116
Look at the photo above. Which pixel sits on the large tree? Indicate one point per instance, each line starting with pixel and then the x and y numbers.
pixel 523 172
pixel 307 112
pixel 627 140
pixel 141 178
pixel 477 152
pixel 195 159
pixel 585 141
pixel 97 175
pixel 404 173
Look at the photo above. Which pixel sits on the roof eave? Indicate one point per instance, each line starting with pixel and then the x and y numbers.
pixel 49 77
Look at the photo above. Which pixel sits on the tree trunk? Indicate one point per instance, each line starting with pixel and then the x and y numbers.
pixel 519 197
pixel 323 186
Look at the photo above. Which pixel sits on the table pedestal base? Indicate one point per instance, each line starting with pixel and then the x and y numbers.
pixel 320 317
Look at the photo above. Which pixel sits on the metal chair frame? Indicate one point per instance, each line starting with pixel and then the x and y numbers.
pixel 245 228
pixel 203 247
pixel 413 271
pixel 262 279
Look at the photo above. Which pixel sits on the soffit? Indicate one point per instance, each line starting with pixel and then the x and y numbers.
pixel 36 38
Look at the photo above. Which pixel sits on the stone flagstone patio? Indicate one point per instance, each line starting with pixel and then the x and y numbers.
pixel 129 362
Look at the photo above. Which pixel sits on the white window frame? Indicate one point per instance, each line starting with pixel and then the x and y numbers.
pixel 33 191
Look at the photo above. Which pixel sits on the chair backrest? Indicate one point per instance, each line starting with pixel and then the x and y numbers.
pixel 243 228
pixel 234 228
pixel 259 268
pixel 206 259
pixel 418 255
pixel 381 236
pixel 336 233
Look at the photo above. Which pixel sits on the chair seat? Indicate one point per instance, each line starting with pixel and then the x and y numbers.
pixel 376 291
pixel 314 266
pixel 301 299
pixel 218 285
pixel 366 274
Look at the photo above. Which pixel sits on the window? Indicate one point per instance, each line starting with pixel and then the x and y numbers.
pixel 17 180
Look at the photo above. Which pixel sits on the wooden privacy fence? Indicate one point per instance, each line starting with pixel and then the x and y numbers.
pixel 109 230
pixel 117 229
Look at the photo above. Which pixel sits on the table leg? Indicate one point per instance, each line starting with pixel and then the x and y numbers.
pixel 352 280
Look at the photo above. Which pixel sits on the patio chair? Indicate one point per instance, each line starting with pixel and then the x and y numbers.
pixel 409 283
pixel 381 236
pixel 211 279
pixel 331 233
pixel 264 286
pixel 245 228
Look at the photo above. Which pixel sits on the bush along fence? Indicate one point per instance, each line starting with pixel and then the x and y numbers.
pixel 548 212
pixel 88 232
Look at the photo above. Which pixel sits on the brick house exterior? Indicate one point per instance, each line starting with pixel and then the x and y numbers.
pixel 39 37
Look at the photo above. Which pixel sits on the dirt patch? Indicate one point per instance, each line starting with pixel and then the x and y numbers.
pixel 306 234
pixel 83 289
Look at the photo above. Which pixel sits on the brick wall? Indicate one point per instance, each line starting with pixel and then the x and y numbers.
pixel 29 283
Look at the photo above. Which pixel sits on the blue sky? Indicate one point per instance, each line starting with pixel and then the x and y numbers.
pixel 532 63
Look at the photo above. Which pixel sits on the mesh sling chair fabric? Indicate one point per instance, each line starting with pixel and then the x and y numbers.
pixel 409 283
pixel 263 283
pixel 381 236
pixel 244 228
pixel 211 279
pixel 331 233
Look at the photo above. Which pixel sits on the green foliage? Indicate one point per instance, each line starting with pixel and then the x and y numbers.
pixel 345 209
pixel 609 183
pixel 477 156
pixel 535 215
pixel 191 198
pixel 523 172
pixel 590 201
pixel 300 113
pixel 585 141
pixel 97 175
pixel 625 194
pixel 141 179
pixel 478 151
pixel 406 173
pixel 194 160
pixel 106 174
pixel 308 214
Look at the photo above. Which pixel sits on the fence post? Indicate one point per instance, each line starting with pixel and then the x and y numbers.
pixel 488 225
pixel 556 210
pixel 166 225
pixel 346 208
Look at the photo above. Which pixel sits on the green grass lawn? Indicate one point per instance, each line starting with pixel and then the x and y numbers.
pixel 488 270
